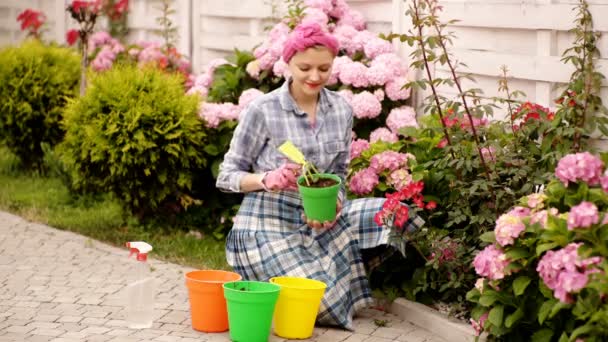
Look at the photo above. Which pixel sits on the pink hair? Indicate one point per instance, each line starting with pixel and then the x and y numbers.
pixel 308 35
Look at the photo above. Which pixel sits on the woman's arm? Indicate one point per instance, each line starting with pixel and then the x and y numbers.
pixel 247 141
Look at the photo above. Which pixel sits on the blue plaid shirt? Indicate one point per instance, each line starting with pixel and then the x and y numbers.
pixel 274 118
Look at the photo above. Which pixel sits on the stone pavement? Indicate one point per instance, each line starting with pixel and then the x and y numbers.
pixel 60 286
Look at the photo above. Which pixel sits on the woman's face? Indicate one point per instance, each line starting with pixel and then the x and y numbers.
pixel 310 70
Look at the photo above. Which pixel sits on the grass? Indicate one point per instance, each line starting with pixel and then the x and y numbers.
pixel 47 200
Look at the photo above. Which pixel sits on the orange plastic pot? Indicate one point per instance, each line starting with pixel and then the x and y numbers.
pixel 207 303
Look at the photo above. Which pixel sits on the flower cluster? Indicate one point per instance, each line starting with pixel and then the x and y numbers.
pixel 394 214
pixel 528 111
pixel 510 225
pixel 565 272
pixel 491 263
pixel 580 167
pixel 31 21
pixel 391 165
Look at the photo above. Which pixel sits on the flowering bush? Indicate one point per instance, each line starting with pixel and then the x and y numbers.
pixel 367 71
pixel 544 275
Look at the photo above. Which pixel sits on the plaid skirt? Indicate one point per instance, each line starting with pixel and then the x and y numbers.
pixel 269 238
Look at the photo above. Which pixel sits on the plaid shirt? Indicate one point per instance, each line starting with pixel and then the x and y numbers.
pixel 274 118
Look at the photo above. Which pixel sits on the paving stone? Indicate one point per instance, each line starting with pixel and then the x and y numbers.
pixel 59 286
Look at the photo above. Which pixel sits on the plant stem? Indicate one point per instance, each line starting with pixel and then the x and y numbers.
pixel 462 96
pixel 418 25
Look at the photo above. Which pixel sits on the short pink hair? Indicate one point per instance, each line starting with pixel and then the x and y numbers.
pixel 308 35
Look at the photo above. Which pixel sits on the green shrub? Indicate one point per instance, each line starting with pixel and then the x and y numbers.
pixel 35 82
pixel 137 135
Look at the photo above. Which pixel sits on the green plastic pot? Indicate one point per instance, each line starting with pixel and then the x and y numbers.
pixel 250 309
pixel 320 203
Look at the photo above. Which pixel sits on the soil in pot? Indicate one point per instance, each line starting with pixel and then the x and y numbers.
pixel 321 183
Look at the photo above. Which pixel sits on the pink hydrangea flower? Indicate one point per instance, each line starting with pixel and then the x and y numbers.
pixel 340 7
pixel 395 91
pixel 365 105
pixel 352 18
pixel 323 5
pixel 345 34
pixel 391 62
pixel 404 116
pixel 542 216
pixel 357 147
pixel 491 263
pixel 377 46
pixel 508 227
pixel 364 181
pixel 583 215
pixel 399 179
pixel 197 89
pixel 253 69
pixel 337 68
pixel 565 272
pixel 355 74
pixel 315 15
pixel 281 68
pixel 388 160
pixel 347 94
pixel 479 284
pixel 214 113
pixel 379 94
pixel 536 201
pixel 248 96
pixel 383 134
pixel 379 75
pixel 478 326
pixel 579 166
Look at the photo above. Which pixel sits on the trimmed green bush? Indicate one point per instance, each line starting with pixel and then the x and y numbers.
pixel 36 80
pixel 134 134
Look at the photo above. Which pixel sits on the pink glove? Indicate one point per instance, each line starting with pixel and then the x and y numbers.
pixel 283 178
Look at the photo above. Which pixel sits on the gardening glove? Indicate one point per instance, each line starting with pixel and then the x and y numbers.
pixel 283 178
pixel 327 224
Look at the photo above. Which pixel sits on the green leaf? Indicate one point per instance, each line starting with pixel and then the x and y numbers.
pixel 517 253
pixel 520 284
pixel 514 317
pixel 211 150
pixel 496 315
pixel 545 309
pixel 488 237
pixel 488 298
pixel 540 249
pixel 543 335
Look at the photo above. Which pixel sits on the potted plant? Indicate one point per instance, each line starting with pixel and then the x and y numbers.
pixel 319 191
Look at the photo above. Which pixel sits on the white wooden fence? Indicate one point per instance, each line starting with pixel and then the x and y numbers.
pixel 528 36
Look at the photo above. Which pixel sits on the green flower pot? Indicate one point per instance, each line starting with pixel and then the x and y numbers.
pixel 320 203
pixel 250 309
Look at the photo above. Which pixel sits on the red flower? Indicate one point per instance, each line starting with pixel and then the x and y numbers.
pixel 443 143
pixel 72 37
pixel 79 5
pixel 31 20
pixel 431 205
pixel 401 216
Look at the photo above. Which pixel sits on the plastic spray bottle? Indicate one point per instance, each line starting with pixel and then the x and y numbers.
pixel 142 291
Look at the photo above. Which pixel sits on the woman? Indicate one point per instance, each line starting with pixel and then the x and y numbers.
pixel 270 236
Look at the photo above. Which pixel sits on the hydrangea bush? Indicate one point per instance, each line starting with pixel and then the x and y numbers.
pixel 367 72
pixel 544 275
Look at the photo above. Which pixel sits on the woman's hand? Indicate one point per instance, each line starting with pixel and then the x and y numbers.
pixel 327 224
pixel 283 178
